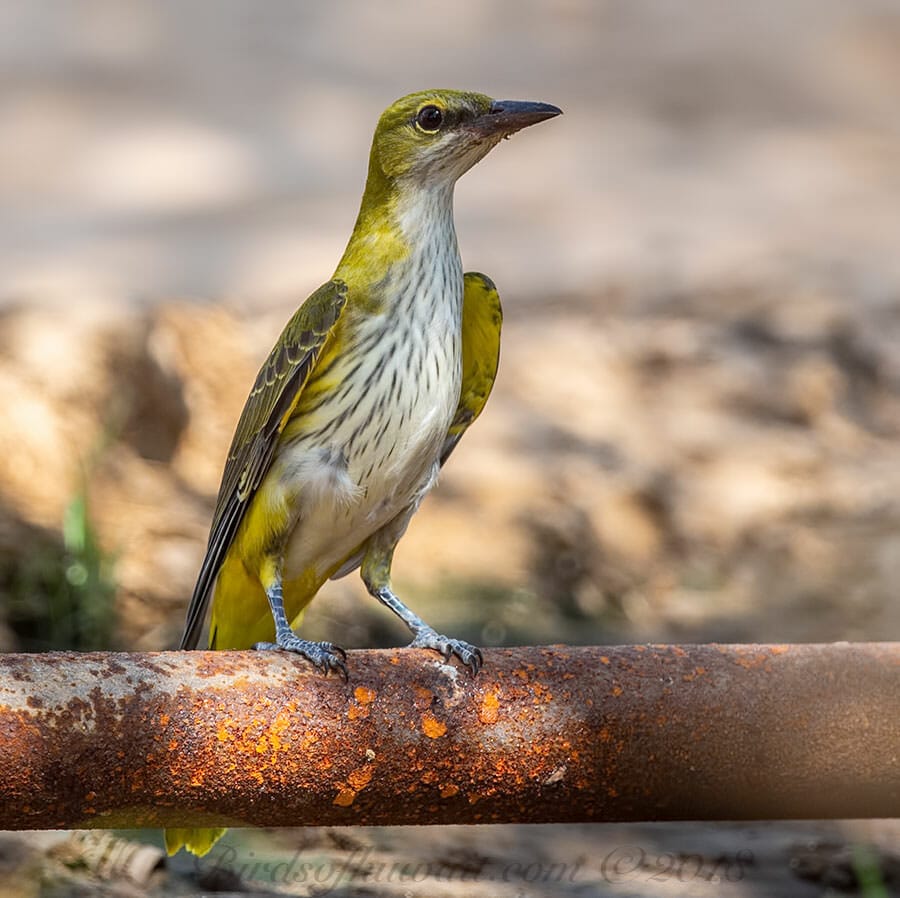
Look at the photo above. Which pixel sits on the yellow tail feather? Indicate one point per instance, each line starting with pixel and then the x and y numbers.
pixel 240 617
pixel 197 841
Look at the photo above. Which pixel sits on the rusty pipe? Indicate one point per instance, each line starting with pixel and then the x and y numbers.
pixel 550 734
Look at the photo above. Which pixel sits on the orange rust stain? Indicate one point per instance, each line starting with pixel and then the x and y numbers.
pixel 359 779
pixel 432 727
pixel 753 657
pixel 696 672
pixel 173 744
pixel 222 733
pixel 449 790
pixel 604 659
pixel 604 734
pixel 429 777
pixel 360 707
pixel 197 778
pixel 345 798
pixel 164 719
pixel 490 708
pixel 749 663
pixel 616 690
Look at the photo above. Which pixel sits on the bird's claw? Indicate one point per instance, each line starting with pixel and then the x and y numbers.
pixel 470 655
pixel 324 656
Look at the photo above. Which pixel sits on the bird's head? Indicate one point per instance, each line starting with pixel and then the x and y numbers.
pixel 435 136
pixel 422 144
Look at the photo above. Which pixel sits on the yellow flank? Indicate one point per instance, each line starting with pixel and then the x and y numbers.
pixel 237 588
pixel 362 399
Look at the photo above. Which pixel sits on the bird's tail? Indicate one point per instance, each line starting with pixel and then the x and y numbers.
pixel 240 617
pixel 197 841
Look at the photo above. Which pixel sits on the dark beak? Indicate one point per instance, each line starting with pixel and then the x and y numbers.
pixel 508 116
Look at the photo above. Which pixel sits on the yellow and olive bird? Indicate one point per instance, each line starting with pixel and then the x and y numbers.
pixel 366 393
pixel 364 396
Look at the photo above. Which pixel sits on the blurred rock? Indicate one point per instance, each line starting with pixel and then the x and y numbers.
pixel 136 408
pixel 110 857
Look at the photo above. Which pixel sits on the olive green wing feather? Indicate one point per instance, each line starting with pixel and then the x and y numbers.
pixel 274 396
pixel 482 319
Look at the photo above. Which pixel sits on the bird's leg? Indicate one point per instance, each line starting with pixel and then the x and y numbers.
pixel 323 655
pixel 376 574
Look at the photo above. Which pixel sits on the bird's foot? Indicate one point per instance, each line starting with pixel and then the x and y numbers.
pixel 470 655
pixel 322 655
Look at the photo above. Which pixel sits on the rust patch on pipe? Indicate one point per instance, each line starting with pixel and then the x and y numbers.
pixel 490 708
pixel 432 727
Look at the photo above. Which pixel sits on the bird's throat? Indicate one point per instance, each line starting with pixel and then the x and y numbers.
pixel 397 231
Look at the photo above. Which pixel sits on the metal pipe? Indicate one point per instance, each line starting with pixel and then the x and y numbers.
pixel 547 734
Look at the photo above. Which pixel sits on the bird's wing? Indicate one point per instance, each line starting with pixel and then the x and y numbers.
pixel 269 406
pixel 482 319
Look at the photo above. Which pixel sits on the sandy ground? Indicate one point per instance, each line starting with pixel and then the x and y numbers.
pixel 693 435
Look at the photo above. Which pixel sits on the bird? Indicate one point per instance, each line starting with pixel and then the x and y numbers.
pixel 361 401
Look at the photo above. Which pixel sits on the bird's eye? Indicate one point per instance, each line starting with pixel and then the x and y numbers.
pixel 429 118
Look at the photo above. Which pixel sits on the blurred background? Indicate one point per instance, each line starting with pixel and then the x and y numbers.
pixel 694 431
